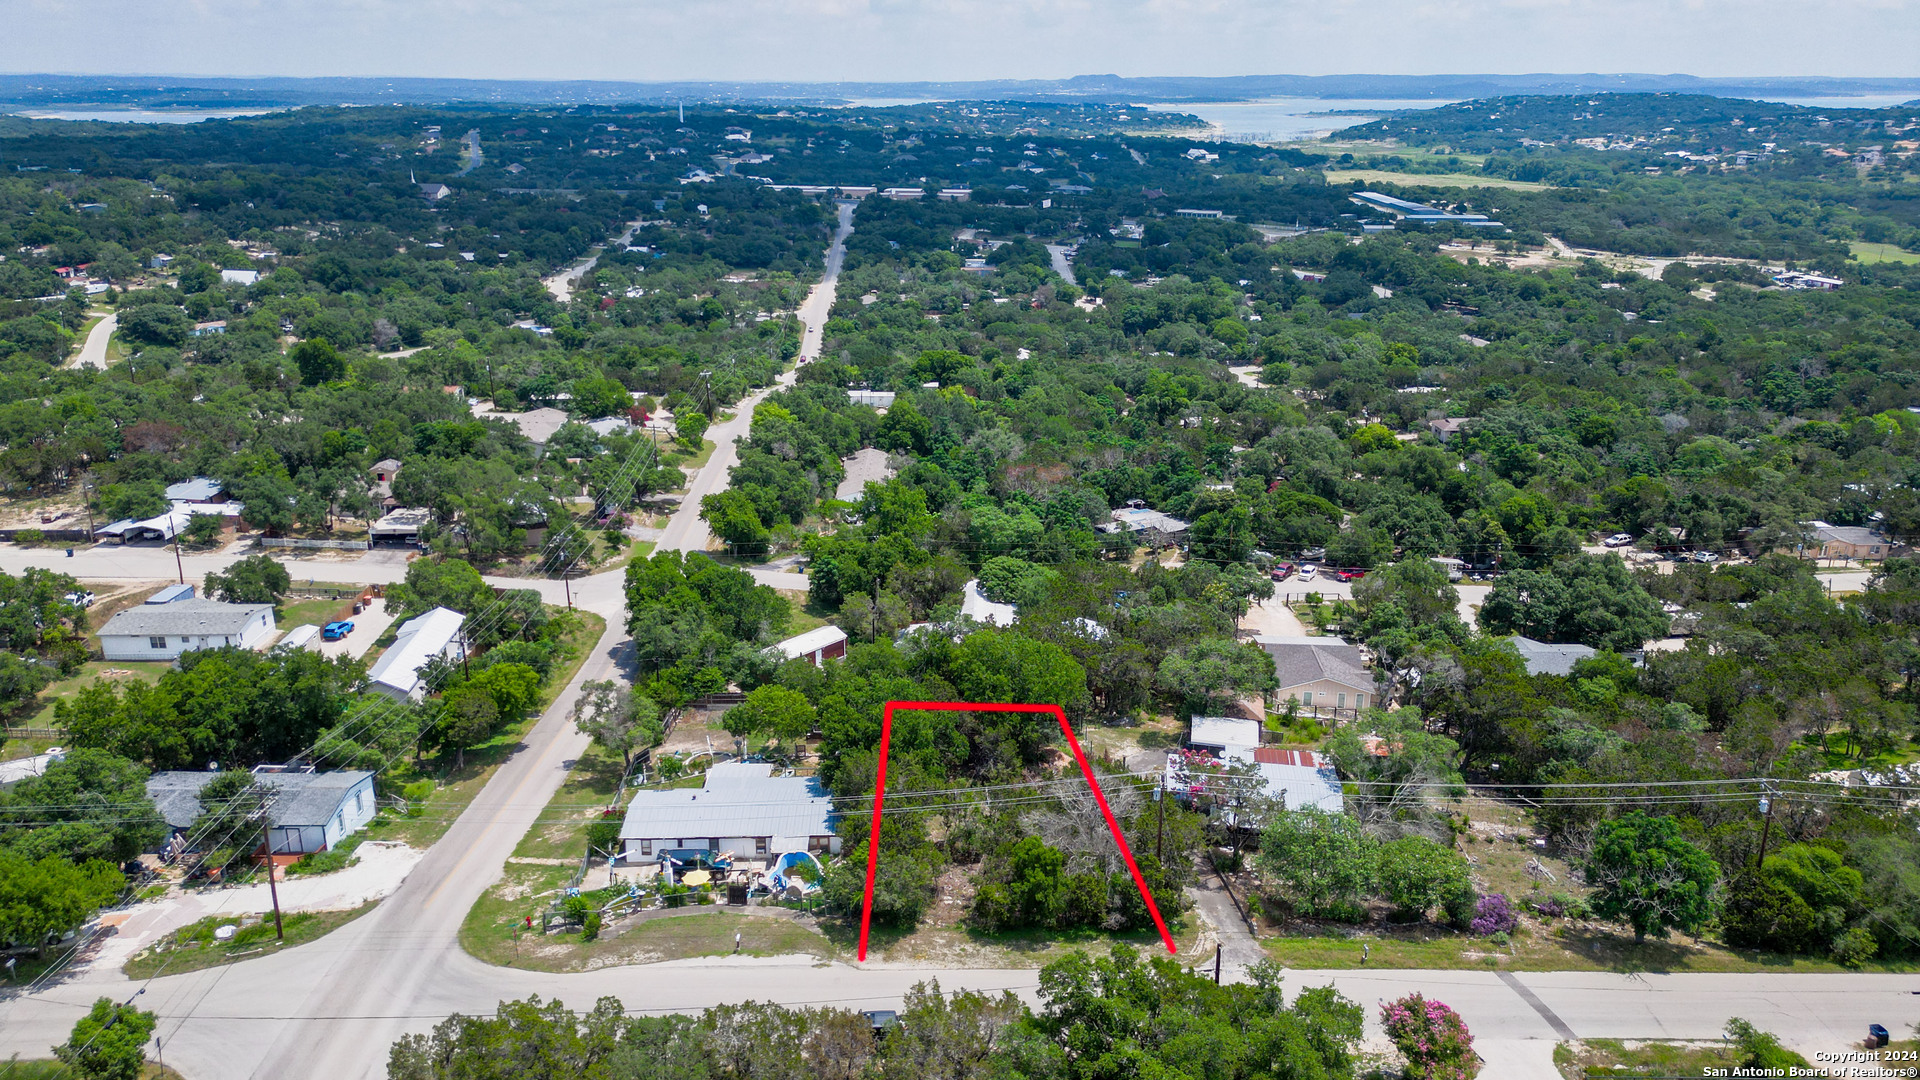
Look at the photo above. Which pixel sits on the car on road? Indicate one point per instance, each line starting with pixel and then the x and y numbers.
pixel 1307 572
pixel 336 630
pixel 1618 540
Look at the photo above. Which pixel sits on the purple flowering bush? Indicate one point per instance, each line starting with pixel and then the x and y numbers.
pixel 1432 1038
pixel 1494 915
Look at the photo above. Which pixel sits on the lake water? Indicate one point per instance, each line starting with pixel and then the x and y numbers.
pixel 141 116
pixel 1863 101
pixel 1286 119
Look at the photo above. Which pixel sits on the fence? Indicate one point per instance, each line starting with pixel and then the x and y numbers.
pixel 327 545
pixel 32 733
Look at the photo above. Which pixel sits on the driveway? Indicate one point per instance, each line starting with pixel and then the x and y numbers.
pixel 93 353
pixel 367 626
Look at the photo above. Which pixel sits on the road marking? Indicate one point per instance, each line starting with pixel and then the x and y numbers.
pixel 1558 1025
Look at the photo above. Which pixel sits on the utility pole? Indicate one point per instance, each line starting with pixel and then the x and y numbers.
pixel 177 564
pixel 1766 807
pixel 266 830
pixel 1160 830
pixel 1217 951
pixel 567 583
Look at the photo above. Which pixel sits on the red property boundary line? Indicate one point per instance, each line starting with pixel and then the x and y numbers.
pixel 1079 756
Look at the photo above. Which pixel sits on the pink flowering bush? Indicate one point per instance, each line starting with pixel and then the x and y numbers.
pixel 1432 1038
pixel 1494 915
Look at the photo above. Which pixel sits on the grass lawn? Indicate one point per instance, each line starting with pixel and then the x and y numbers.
pixel 1868 252
pixel 53 1069
pixel 807 615
pixel 192 947
pixel 457 787
pixel 561 832
pixel 147 671
pixel 317 612
pixel 1440 180
pixel 1612 1057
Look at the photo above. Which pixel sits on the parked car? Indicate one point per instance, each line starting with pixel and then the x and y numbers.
pixel 1706 557
pixel 83 599
pixel 1307 572
pixel 1349 574
pixel 1618 540
pixel 1281 572
pixel 336 630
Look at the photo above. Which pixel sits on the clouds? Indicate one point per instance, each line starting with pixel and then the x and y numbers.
pixel 900 40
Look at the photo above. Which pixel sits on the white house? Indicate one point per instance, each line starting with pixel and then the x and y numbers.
pixel 400 671
pixel 816 646
pixel 1299 779
pixel 311 811
pixel 741 808
pixel 239 277
pixel 164 631
pixel 975 605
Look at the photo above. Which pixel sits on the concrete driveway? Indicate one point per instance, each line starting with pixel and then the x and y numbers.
pixel 367 626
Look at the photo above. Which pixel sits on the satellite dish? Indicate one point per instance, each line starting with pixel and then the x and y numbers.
pixel 213 766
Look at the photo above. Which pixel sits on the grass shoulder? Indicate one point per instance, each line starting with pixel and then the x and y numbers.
pixel 194 947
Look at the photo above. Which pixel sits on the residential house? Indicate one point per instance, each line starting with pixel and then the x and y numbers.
pixel 1547 658
pixel 1446 428
pixel 383 473
pixel 164 631
pixel 1321 673
pixel 434 192
pixel 197 491
pixel 400 673
pixel 873 399
pixel 310 811
pixel 1298 779
pixel 816 646
pixel 1150 527
pixel 1826 541
pixel 239 277
pixel 975 605
pixel 400 525
pixel 742 808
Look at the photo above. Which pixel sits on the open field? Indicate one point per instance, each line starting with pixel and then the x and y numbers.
pixel 1868 252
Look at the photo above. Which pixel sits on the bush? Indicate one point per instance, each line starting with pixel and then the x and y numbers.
pixel 590 927
pixel 1432 1038
pixel 603 835
pixel 29 537
pixel 1854 946
pixel 1494 915
pixel 417 794
pixel 1761 1050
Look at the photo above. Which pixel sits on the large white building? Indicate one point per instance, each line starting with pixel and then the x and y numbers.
pixel 400 671
pixel 742 808
pixel 164 631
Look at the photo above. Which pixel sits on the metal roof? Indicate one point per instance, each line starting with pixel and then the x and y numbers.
pixel 738 799
pixel 812 641
pixel 1226 732
pixel 301 800
pixel 184 618
pixel 418 640
pixel 194 489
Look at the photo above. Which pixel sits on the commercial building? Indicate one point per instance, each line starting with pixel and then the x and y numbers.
pixel 742 808
pixel 1407 210
pixel 164 631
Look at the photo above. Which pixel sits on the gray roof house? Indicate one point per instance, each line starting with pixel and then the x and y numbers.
pixel 1322 672
pixel 1546 658
pixel 311 811
pixel 741 808
pixel 164 631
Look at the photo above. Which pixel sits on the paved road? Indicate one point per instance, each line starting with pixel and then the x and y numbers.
pixel 93 353
pixel 686 532
pixel 1061 255
pixel 561 284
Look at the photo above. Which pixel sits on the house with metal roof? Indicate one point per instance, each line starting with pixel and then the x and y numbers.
pixel 1321 672
pixel 311 811
pixel 1298 779
pixel 164 631
pixel 816 646
pixel 742 808
pixel 400 673
pixel 975 605
pixel 197 489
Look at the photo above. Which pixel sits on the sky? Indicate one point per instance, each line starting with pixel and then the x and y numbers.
pixel 904 40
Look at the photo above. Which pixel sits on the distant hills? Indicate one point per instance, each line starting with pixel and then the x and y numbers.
pixel 192 92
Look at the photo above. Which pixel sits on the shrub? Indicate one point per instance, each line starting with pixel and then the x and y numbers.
pixel 417 794
pixel 29 537
pixel 1432 1038
pixel 590 927
pixel 603 835
pixel 1854 946
pixel 1493 915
